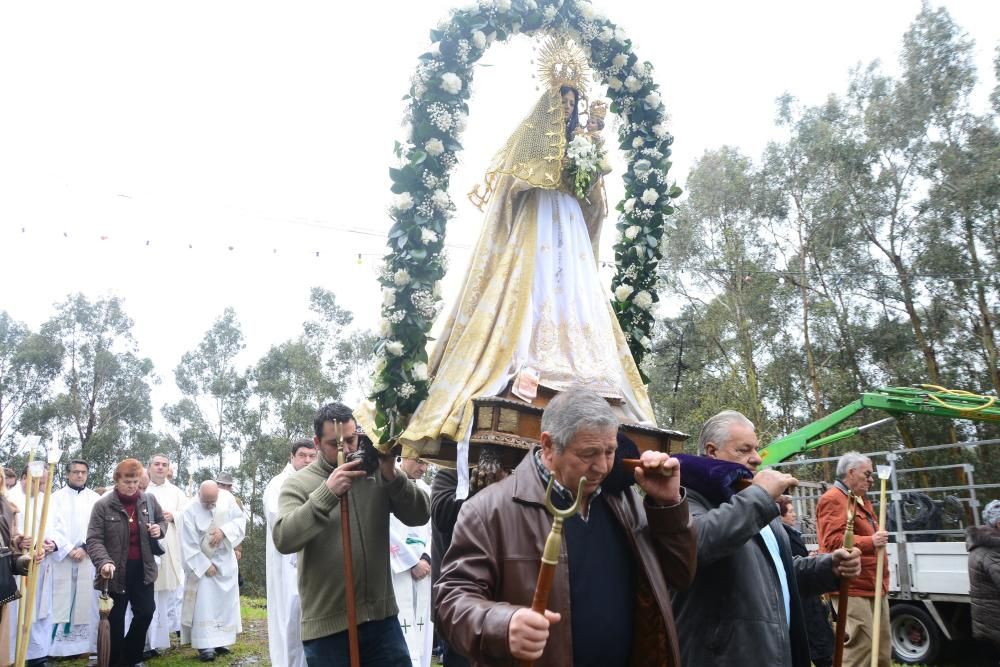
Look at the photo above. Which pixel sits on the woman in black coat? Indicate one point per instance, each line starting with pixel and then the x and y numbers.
pixel 818 627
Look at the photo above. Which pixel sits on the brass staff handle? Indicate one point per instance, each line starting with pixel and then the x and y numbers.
pixel 553 545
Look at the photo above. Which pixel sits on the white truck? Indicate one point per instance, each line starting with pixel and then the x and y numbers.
pixel 928 562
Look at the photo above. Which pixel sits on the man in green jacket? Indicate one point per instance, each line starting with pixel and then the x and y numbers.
pixel 309 524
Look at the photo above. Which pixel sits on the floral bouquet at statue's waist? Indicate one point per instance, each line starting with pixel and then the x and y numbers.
pixel 586 162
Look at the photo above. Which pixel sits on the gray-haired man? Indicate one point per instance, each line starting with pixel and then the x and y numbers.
pixel 619 554
pixel 744 604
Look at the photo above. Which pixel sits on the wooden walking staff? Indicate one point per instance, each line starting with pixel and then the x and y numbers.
pixel 550 555
pixel 883 475
pixel 838 648
pixel 26 511
pixel 38 550
pixel 30 519
pixel 345 537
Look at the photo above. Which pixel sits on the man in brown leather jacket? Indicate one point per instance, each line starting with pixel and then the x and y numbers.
pixel 609 603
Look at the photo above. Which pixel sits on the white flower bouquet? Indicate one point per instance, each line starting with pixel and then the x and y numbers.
pixel 586 161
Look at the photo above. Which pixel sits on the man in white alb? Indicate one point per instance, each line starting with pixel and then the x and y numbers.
pixel 212 526
pixel 169 585
pixel 409 558
pixel 283 610
pixel 74 599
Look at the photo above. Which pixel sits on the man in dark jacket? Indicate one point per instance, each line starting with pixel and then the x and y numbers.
pixel 743 607
pixel 983 543
pixel 609 604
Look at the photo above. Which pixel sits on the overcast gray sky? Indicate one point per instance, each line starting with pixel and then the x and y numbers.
pixel 189 156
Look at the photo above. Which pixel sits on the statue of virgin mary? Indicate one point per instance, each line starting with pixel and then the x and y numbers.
pixel 532 297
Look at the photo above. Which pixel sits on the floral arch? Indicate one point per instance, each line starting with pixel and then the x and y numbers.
pixel 437 114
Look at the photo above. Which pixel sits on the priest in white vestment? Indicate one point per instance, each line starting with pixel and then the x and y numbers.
pixel 211 528
pixel 74 599
pixel 40 640
pixel 169 586
pixel 409 558
pixel 284 635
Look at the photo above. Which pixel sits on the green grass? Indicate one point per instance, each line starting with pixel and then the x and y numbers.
pixel 250 647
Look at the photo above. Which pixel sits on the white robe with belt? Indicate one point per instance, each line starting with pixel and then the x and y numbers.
pixel 284 617
pixel 210 617
pixel 74 598
pixel 406 545
pixel 169 583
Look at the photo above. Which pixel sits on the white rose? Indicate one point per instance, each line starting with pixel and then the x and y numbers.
pixel 620 60
pixel 650 196
pixel 622 292
pixel 620 35
pixel 384 327
pixel 479 40
pixel 643 299
pixel 503 6
pixel 531 5
pixel 394 347
pixel 639 69
pixel 633 84
pixel 485 4
pixel 428 236
pixel 638 142
pixel 632 232
pixel 451 83
pixel 653 99
pixel 434 147
pixel 402 277
pixel 419 371
pixel 630 205
pixel 606 35
pixel 461 122
pixel 586 10
pixel 388 297
pixel 614 83
pixel 441 199
pixel 402 202
pixel 646 343
pixel 550 13
pixel 660 130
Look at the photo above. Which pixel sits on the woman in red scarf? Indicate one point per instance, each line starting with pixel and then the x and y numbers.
pixel 122 540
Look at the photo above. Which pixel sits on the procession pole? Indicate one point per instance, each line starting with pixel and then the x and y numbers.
pixel 28 599
pixel 38 550
pixel 883 475
pixel 838 649
pixel 345 537
pixel 32 441
pixel 550 555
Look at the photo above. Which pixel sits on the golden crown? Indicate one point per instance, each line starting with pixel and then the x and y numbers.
pixel 563 63
pixel 598 109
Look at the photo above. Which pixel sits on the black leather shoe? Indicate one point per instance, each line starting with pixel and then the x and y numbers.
pixel 221 650
pixel 206 655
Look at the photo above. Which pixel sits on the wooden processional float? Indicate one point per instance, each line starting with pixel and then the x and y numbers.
pixel 511 426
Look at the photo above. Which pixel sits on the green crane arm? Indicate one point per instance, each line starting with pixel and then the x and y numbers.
pixel 935 402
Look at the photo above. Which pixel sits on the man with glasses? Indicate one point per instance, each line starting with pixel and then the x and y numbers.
pixel 854 473
pixel 744 606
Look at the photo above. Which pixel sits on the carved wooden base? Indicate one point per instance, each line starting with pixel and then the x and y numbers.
pixel 512 427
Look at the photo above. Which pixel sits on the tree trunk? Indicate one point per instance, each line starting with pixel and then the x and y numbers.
pixel 985 316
